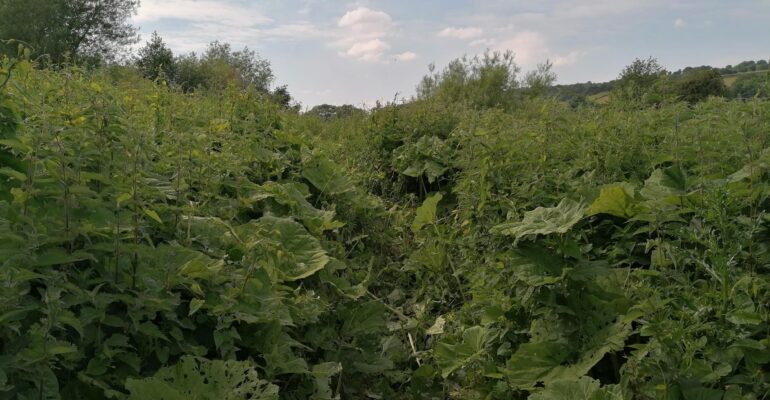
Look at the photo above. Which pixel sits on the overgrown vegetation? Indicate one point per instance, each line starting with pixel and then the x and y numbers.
pixel 83 31
pixel 747 79
pixel 167 240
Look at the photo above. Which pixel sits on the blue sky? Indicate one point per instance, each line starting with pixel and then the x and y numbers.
pixel 358 52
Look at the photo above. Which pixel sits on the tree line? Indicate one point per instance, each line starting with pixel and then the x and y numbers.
pixel 646 79
pixel 95 33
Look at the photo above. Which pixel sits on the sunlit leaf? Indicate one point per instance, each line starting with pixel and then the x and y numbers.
pixel 544 221
pixel 426 213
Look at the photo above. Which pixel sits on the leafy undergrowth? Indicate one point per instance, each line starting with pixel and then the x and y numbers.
pixel 157 245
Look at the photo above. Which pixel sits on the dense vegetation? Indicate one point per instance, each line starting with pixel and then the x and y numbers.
pixel 750 79
pixel 157 244
pixel 167 240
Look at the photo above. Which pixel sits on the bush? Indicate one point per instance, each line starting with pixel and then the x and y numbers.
pixel 482 82
pixel 699 85
pixel 751 85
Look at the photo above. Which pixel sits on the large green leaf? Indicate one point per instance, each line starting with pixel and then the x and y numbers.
pixel 532 362
pixel 323 373
pixel 613 200
pixel 326 176
pixel 583 388
pixel 293 195
pixel 363 319
pixel 536 266
pixel 194 378
pixel 702 393
pixel 298 254
pixel 544 221
pixel 665 185
pixel 451 356
pixel 546 362
pixel 428 157
pixel 426 213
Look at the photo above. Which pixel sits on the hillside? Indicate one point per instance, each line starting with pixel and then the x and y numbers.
pixel 599 91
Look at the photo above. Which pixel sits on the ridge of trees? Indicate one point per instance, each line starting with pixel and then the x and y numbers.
pixel 750 81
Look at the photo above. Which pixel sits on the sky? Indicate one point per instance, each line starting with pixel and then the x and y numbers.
pixel 358 52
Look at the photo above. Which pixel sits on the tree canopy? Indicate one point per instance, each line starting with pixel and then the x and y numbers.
pixel 699 85
pixel 483 81
pixel 61 30
pixel 638 78
pixel 219 66
pixel 156 58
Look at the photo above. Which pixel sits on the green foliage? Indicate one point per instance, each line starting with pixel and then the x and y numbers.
pixel 486 81
pixel 220 67
pixel 544 220
pixel 453 356
pixel 699 85
pixel 584 388
pixel 328 111
pixel 426 213
pixel 751 85
pixel 613 200
pixel 637 79
pixel 156 60
pixel 214 244
pixel 198 378
pixel 76 30
pixel 540 80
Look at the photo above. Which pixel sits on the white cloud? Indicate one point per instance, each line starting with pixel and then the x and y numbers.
pixel 370 50
pixel 680 23
pixel 221 13
pixel 406 56
pixel 461 33
pixel 363 19
pixel 600 8
pixel 364 36
pixel 207 20
pixel 294 31
pixel 531 48
pixel 483 42
pixel 567 59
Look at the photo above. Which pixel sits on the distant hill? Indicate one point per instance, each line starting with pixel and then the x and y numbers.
pixel 598 92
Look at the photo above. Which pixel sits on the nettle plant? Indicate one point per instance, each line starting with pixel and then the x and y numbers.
pixel 142 229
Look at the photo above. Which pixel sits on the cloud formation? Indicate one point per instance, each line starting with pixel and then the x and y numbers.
pixel 370 50
pixel 680 23
pixel 461 33
pixel 363 19
pixel 221 13
pixel 406 56
pixel 364 36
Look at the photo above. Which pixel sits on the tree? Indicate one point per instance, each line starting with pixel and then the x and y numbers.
pixel 79 30
pixel 281 96
pixel 750 85
pixel 329 112
pixel 155 58
pixel 220 67
pixel 246 67
pixel 638 78
pixel 483 82
pixel 189 72
pixel 540 80
pixel 699 85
